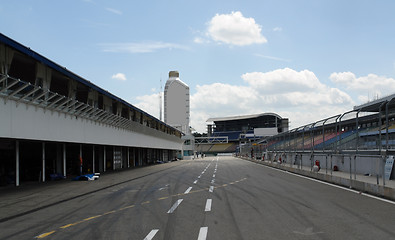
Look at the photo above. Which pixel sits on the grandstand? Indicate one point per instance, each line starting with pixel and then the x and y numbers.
pixel 238 129
pixel 353 141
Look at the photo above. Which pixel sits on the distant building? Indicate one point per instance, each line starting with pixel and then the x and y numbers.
pixel 226 134
pixel 176 114
pixel 247 126
pixel 176 98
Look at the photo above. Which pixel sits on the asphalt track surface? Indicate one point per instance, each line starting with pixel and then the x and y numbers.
pixel 211 198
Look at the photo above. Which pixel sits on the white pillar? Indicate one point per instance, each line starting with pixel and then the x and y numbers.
pixel 17 163
pixel 43 162
pixel 93 159
pixel 64 159
pixel 104 159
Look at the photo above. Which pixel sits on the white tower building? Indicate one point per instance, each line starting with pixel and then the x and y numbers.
pixel 177 103
pixel 176 114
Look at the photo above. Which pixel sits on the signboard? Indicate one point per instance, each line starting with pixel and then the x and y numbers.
pixel 389 163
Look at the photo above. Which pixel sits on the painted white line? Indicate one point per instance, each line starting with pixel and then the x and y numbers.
pixel 195 182
pixel 203 172
pixel 171 210
pixel 151 234
pixel 332 185
pixel 344 188
pixel 203 233
pixel 208 205
pixel 211 189
pixel 213 181
pixel 213 175
pixel 188 190
pixel 199 176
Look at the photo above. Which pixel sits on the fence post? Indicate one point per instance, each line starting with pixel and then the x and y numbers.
pixel 326 164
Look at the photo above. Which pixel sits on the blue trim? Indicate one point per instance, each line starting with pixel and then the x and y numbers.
pixel 25 50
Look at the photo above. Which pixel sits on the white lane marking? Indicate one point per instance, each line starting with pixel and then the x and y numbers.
pixel 203 172
pixel 188 190
pixel 213 181
pixel 203 233
pixel 199 176
pixel 344 188
pixel 211 189
pixel 151 234
pixel 195 182
pixel 160 189
pixel 213 175
pixel 332 185
pixel 208 205
pixel 171 210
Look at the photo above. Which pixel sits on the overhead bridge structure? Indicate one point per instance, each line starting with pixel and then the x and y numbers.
pixel 55 123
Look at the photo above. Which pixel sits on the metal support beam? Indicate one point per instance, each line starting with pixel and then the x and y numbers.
pixel 24 85
pixel 49 98
pixel 31 92
pixel 9 86
pixel 39 96
pixel 66 101
pixel 56 101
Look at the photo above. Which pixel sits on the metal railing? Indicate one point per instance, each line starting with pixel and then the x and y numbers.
pixel 27 93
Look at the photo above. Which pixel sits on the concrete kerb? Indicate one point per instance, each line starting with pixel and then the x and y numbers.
pixel 365 187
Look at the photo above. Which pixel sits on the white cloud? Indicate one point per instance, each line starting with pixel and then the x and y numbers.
pixel 235 29
pixel 200 40
pixel 371 84
pixel 297 95
pixel 283 80
pixel 145 47
pixel 272 58
pixel 149 104
pixel 119 76
pixel 115 11
pixel 277 29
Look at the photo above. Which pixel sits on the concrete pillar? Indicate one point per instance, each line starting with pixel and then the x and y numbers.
pixel 43 76
pixel 43 161
pixel 17 163
pixel 64 159
pixel 6 56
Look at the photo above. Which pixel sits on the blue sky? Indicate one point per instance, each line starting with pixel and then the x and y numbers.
pixel 305 60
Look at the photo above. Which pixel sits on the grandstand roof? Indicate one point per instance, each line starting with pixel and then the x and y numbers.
pixel 374 105
pixel 242 117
